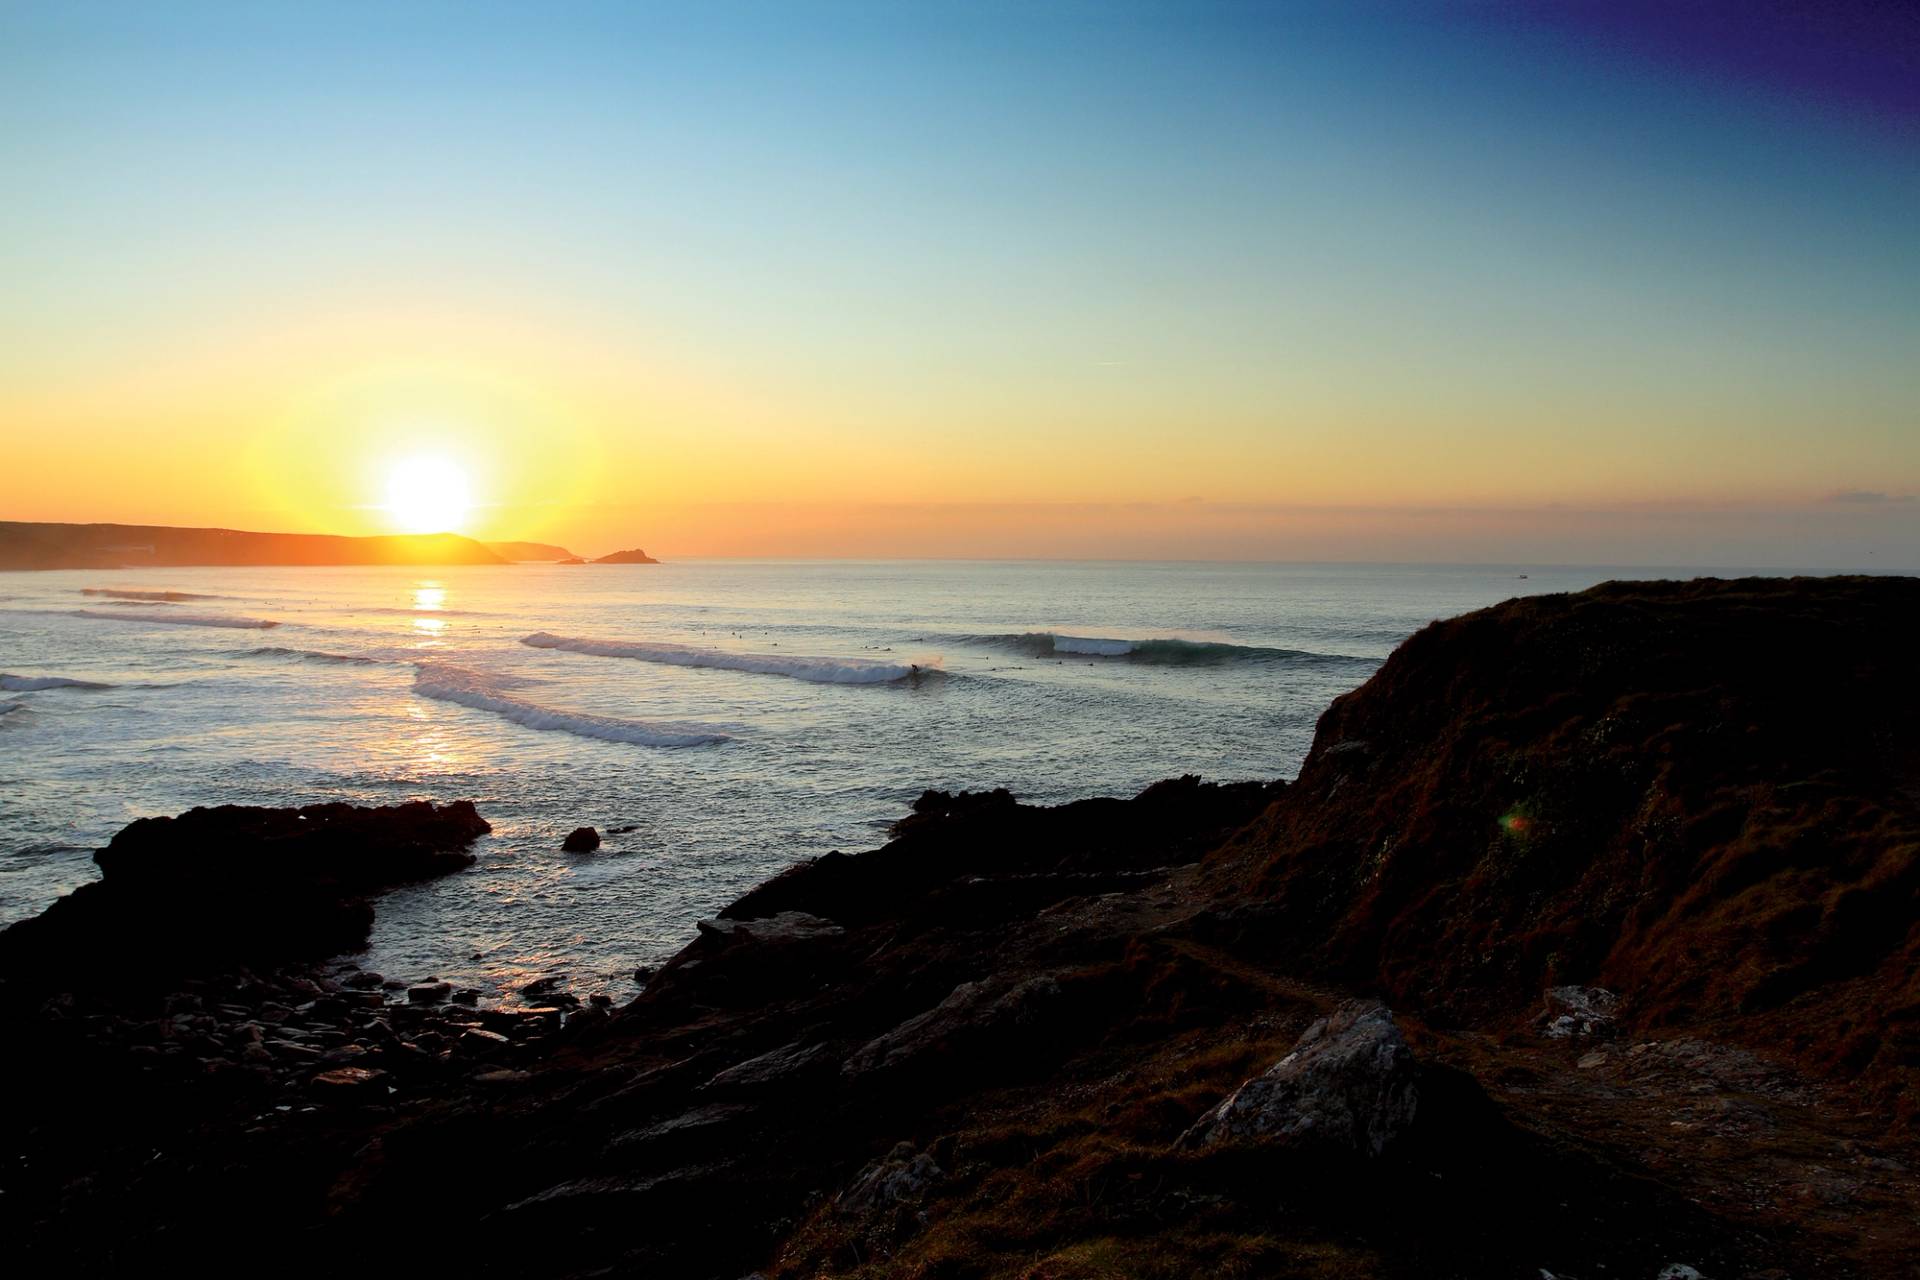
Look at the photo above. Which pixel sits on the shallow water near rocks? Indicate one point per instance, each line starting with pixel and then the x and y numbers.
pixel 716 721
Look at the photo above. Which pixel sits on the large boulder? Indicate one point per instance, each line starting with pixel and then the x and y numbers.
pixel 1350 1081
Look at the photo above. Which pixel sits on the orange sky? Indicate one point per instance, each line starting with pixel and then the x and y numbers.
pixel 1165 287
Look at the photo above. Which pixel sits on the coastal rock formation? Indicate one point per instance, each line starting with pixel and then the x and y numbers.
pixel 1629 788
pixel 1145 1036
pixel 581 840
pixel 634 556
pixel 217 889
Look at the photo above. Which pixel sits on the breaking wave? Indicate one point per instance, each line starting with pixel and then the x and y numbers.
pixel 28 684
pixel 818 670
pixel 485 692
pixel 151 597
pixel 307 655
pixel 179 619
pixel 1163 652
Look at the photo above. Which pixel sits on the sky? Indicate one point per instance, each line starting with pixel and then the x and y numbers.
pixel 1616 283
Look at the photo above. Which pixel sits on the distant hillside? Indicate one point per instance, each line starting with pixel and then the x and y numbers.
pixel 635 556
pixel 131 546
pixel 528 551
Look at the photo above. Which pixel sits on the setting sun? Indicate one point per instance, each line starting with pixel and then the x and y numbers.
pixel 428 495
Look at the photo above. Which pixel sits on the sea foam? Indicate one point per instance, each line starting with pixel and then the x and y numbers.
pixel 179 619
pixel 486 692
pixel 818 670
pixel 1165 651
pixel 28 684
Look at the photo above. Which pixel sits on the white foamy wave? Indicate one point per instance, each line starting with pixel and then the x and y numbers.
pixel 152 597
pixel 179 619
pixel 819 670
pixel 1093 646
pixel 308 655
pixel 485 692
pixel 1163 651
pixel 28 684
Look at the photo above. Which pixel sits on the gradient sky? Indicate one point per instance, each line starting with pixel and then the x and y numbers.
pixel 1629 283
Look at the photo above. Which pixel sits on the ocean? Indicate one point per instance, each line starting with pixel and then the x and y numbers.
pixel 716 720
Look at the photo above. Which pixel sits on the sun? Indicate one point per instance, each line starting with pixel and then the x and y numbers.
pixel 428 495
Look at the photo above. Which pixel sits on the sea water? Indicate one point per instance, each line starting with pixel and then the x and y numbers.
pixel 717 721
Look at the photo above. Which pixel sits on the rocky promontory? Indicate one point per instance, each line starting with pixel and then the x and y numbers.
pixel 216 889
pixel 1583 946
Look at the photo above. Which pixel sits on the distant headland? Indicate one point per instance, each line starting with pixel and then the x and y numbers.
pixel 30 545
pixel 534 552
pixel 131 546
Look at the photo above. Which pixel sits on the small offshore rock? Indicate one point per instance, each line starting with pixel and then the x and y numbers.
pixel 467 995
pixel 644 973
pixel 1350 1080
pixel 543 986
pixel 429 992
pixel 581 840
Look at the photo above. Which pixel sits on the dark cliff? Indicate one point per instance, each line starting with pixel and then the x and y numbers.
pixel 1705 795
pixel 1633 871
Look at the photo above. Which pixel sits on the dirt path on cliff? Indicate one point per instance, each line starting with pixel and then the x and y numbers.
pixel 1763 1149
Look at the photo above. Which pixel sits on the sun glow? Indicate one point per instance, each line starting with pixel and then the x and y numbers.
pixel 428 495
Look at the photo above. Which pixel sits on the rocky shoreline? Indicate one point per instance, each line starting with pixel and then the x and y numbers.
pixel 1584 946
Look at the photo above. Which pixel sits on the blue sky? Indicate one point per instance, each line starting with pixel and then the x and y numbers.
pixel 1293 254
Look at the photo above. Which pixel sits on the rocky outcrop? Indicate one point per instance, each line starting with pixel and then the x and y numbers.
pixel 1701 796
pixel 214 890
pixel 633 556
pixel 581 840
pixel 1350 1081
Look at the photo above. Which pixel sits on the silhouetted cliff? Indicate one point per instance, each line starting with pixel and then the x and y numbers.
pixel 122 546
